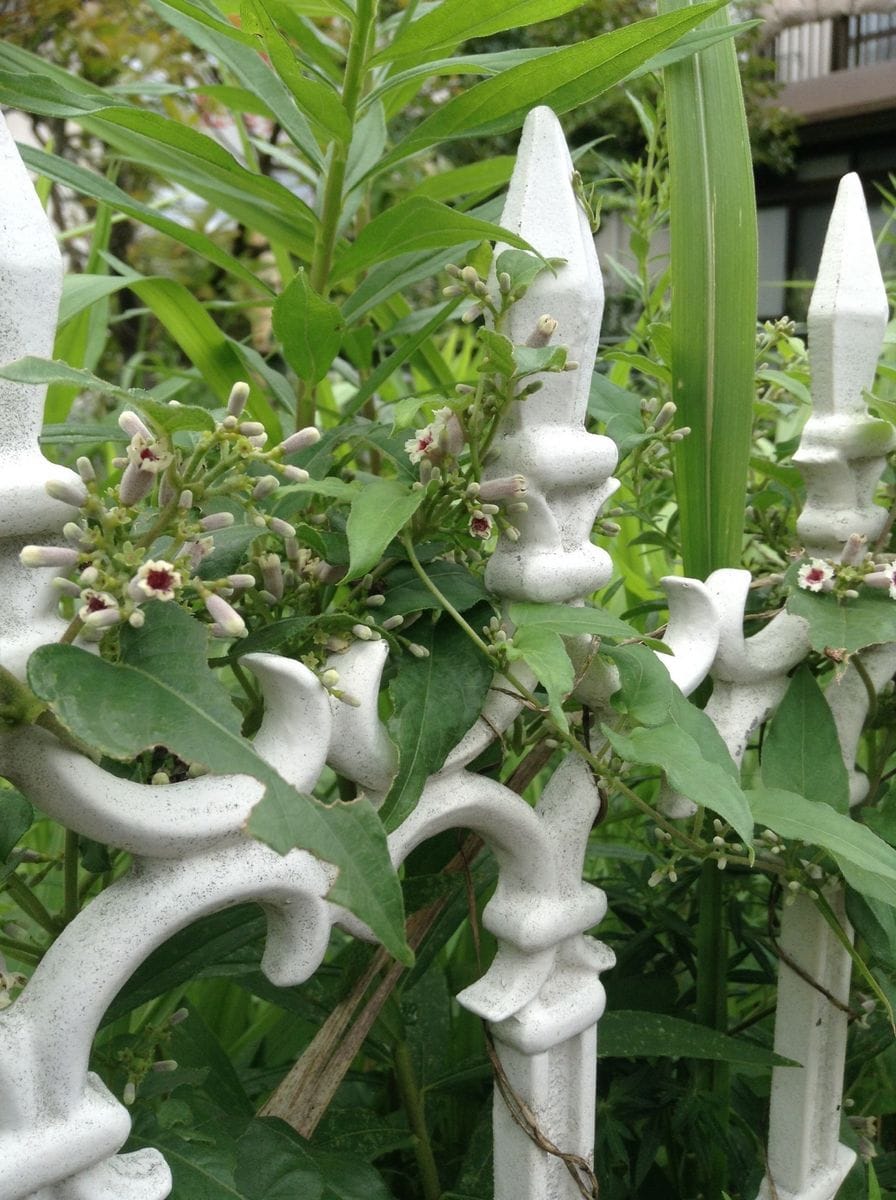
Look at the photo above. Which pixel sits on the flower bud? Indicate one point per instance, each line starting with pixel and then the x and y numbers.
pixel 544 330
pixel 135 485
pixel 251 428
pixel 265 487
pixel 227 619
pixel 363 633
pixel 295 474
pixel 393 622
pixel 664 416
pixel 215 521
pixel 236 401
pixel 133 426
pixel 282 528
pixel 238 582
pixel 47 556
pixel 299 440
pixel 69 491
pixel 85 469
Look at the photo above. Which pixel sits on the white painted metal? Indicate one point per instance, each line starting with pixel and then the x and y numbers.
pixel 60 1129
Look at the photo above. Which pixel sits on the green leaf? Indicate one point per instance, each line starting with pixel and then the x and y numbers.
pixel 474 178
pixel 714 282
pixel 229 554
pixel 309 328
pixel 544 652
pixel 379 511
pixel 676 753
pixel 46 96
pixel 845 624
pixel 317 100
pixel 867 862
pixel 171 418
pixel 647 690
pixel 162 693
pixel 522 268
pixel 250 69
pixel 412 225
pixel 87 183
pixel 273 1163
pixel 626 1034
pixel 562 80
pixel 80 292
pixel 620 412
pixel 405 592
pixel 47 371
pixel 16 816
pixel 800 750
pixel 436 700
pixel 570 621
pixel 498 358
pixel 447 24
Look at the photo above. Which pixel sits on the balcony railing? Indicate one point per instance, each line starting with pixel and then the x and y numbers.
pixel 818 48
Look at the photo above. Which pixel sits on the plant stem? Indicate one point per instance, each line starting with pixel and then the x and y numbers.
pixel 72 899
pixel 331 206
pixel 29 903
pixel 22 950
pixel 412 1101
pixel 446 604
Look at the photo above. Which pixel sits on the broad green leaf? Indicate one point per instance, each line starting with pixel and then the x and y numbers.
pixel 228 556
pixel 309 328
pixel 405 593
pixel 272 638
pixel 522 268
pixel 349 1178
pixel 696 724
pixel 453 21
pixel 378 513
pixel 273 1163
pixel 173 417
pixel 88 183
pixel 570 621
pixel 677 754
pixel 646 692
pixel 162 693
pixel 714 284
pixel 845 624
pixel 320 103
pixel 562 80
pixel 435 701
pixel 498 358
pixel 626 1034
pixel 800 750
pixel 543 650
pixel 16 816
pixel 867 862
pixel 412 225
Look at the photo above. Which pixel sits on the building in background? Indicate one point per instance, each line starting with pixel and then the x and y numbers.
pixel 837 62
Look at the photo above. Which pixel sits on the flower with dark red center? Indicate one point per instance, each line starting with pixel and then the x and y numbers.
pixel 99 609
pixel 816 576
pixel 155 580
pixel 481 525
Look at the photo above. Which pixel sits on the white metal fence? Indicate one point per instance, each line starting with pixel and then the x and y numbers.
pixel 60 1128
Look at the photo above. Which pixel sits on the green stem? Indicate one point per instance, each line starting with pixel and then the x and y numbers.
pixel 412 1101
pixel 72 899
pixel 23 950
pixel 331 206
pixel 446 604
pixel 29 903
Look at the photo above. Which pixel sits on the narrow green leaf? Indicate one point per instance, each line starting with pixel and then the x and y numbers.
pixel 714 285
pixel 800 750
pixel 46 371
pixel 412 225
pixel 436 700
pixel 80 292
pixel 445 25
pixel 628 1034
pixel 309 329
pixel 867 862
pixel 543 651
pixel 87 183
pixel 45 96
pixel 379 511
pixel 563 79
pixel 163 693
pixel 676 753
pixel 481 177
pixel 320 103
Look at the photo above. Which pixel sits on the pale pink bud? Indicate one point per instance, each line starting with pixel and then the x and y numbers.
pixel 330 572
pixel 240 582
pixel 236 402
pixel 853 551
pixel 272 575
pixel 68 586
pixel 266 486
pixel 664 416
pixel 283 528
pixel 133 426
pixel 251 428
pixel 363 632
pixel 544 330
pixel 185 499
pixel 258 441
pixel 299 440
pixel 69 491
pixel 508 488
pixel 135 485
pixel 48 556
pixel 215 521
pixel 226 618
pixel 85 469
pixel 417 650
pixel 295 474
pixel 393 622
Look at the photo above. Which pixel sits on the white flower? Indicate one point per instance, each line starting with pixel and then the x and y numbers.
pixel 481 525
pixel 99 609
pixel 417 447
pixel 884 578
pixel 816 576
pixel 156 580
pixel 149 454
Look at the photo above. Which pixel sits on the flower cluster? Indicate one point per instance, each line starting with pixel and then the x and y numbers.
pixel 844 575
pixel 150 537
